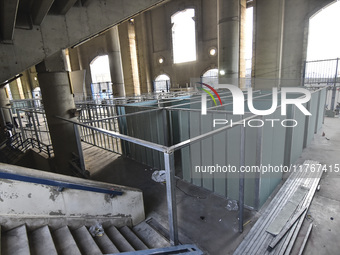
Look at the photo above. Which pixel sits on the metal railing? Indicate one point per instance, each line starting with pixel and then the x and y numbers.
pixel 23 145
pixel 168 151
pixel 100 116
pixel 324 73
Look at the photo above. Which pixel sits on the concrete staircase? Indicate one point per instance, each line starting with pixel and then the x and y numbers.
pixel 66 240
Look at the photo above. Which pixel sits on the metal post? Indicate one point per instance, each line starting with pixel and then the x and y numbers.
pixel 241 180
pixel 334 86
pixel 171 196
pixel 304 73
pixel 165 128
pixel 80 150
pixel 21 126
pixel 258 163
pixel 36 132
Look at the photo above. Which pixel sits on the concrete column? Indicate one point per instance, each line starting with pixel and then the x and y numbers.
pixel 13 85
pixel 127 40
pixel 115 60
pixel 228 20
pixel 142 37
pixel 58 100
pixel 27 85
pixel 294 46
pixel 268 43
pixel 4 102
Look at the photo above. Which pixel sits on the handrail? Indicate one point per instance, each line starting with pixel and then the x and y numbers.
pixel 186 249
pixel 59 184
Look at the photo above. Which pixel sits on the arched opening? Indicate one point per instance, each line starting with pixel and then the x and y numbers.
pixel 210 77
pixel 101 78
pixel 184 36
pixel 323 66
pixel 162 83
pixel 323 39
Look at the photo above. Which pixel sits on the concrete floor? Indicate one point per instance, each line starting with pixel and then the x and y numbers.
pixel 324 211
pixel 203 217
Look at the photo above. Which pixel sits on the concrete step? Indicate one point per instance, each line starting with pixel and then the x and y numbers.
pixel 64 242
pixel 15 241
pixel 41 242
pixel 118 239
pixel 131 237
pixel 85 242
pixel 149 236
pixel 105 244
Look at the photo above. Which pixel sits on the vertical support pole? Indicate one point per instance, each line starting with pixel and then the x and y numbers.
pixel 258 163
pixel 80 150
pixel 36 131
pixel 241 180
pixel 304 73
pixel 165 127
pixel 21 126
pixel 334 86
pixel 171 196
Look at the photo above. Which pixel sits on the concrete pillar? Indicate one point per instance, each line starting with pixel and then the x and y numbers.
pixel 294 46
pixel 268 43
pixel 127 38
pixel 115 60
pixel 27 85
pixel 16 95
pixel 58 100
pixel 228 20
pixel 142 36
pixel 4 102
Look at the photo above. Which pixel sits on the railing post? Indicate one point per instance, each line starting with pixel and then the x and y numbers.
pixel 334 86
pixel 241 180
pixel 258 163
pixel 80 150
pixel 36 131
pixel 304 73
pixel 21 126
pixel 171 196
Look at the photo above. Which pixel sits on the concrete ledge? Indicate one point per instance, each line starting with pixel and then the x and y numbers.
pixel 20 199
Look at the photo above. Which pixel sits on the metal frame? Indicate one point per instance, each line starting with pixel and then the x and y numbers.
pixel 168 152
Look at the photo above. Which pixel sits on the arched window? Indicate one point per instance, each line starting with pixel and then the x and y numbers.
pixel 211 77
pixel 323 43
pixel 162 83
pixel 183 36
pixel 101 78
pixel 100 69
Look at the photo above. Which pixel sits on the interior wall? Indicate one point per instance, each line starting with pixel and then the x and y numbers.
pixel 160 41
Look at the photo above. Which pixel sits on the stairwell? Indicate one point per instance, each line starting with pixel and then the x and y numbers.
pixel 77 241
pixel 46 213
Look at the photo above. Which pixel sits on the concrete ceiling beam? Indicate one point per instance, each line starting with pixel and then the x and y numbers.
pixel 8 14
pixel 40 9
pixel 63 6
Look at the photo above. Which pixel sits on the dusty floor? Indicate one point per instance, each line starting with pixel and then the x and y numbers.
pixel 202 216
